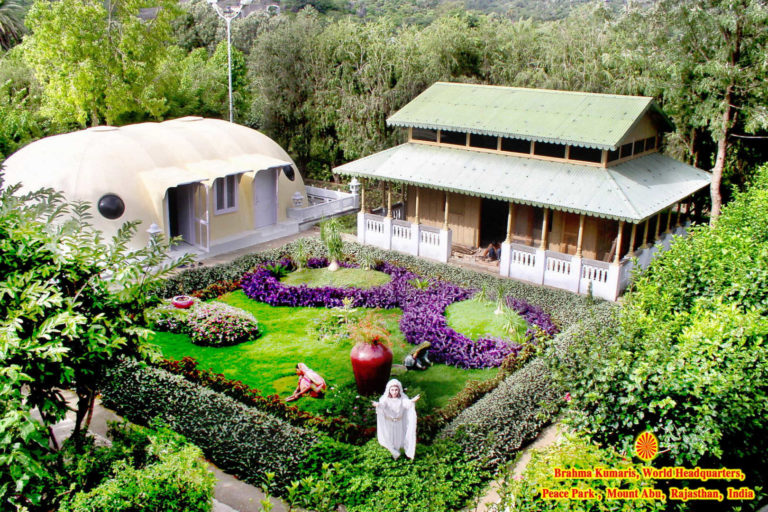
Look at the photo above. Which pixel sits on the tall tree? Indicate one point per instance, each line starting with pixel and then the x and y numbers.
pixel 711 54
pixel 11 25
pixel 98 61
pixel 70 304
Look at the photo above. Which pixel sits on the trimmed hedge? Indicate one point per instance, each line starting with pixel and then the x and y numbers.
pixel 240 439
pixel 565 307
pixel 340 428
pixel 498 424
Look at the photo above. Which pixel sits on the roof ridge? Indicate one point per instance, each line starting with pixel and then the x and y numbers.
pixel 549 91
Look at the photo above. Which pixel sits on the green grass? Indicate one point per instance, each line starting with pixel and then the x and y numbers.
pixel 341 278
pixel 269 362
pixel 477 319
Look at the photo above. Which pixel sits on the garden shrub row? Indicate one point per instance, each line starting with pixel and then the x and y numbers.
pixel 565 307
pixel 340 428
pixel 240 439
pixel 497 425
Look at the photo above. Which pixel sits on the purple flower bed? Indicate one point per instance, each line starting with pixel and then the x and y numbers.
pixel 423 311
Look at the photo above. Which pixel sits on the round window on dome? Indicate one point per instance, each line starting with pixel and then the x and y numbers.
pixel 111 206
pixel 288 171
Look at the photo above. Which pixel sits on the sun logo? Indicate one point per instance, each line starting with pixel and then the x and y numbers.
pixel 646 446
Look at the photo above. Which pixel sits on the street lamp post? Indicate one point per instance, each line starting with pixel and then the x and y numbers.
pixel 229 12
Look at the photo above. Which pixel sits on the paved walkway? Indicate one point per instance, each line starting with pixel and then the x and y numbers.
pixel 546 437
pixel 230 494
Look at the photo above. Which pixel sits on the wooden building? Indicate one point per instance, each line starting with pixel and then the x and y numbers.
pixel 574 184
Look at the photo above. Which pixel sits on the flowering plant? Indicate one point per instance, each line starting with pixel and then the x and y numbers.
pixel 369 329
pixel 206 323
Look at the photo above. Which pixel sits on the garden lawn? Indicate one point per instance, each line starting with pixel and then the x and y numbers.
pixel 341 278
pixel 269 362
pixel 476 319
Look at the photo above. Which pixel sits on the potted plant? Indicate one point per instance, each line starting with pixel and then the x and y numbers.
pixel 330 235
pixel 183 301
pixel 371 356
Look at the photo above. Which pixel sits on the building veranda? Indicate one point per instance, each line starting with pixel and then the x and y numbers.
pixel 573 183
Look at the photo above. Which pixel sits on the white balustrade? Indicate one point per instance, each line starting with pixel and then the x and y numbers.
pixel 398 235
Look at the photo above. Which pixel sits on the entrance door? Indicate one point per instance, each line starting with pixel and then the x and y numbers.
pixel 202 229
pixel 181 214
pixel 493 221
pixel 265 198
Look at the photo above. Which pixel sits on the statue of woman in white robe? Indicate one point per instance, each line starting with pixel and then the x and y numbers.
pixel 396 420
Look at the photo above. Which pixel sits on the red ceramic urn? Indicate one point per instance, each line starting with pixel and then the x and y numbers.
pixel 371 363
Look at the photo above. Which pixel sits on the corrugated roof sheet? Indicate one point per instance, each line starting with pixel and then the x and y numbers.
pixel 631 191
pixel 577 118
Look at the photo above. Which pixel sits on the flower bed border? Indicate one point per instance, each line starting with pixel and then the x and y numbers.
pixel 423 310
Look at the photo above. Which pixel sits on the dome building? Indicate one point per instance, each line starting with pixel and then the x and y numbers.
pixel 218 186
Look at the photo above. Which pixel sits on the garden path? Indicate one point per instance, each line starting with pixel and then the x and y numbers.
pixel 230 494
pixel 547 436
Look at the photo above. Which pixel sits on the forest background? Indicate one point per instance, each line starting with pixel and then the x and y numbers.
pixel 322 76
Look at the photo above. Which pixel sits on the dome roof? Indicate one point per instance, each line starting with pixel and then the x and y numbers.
pixel 139 162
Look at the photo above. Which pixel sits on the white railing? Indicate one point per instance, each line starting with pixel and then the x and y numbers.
pixel 403 236
pixel 324 203
pixel 558 263
pixel 523 256
pixel 595 271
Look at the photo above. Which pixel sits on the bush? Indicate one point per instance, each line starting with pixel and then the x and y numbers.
pixel 439 478
pixel 524 494
pixel 178 481
pixel 217 324
pixel 207 323
pixel 239 439
pixel 142 469
pixel 495 427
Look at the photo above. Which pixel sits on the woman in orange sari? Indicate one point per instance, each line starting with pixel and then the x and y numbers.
pixel 309 382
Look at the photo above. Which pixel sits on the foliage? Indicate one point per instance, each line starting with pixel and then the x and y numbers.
pixel 497 425
pixel 333 324
pixel 11 24
pixel 330 235
pixel 686 358
pixel 339 426
pixel 422 319
pixel 248 442
pixel 369 329
pixel 300 253
pixel 98 64
pixel 523 493
pixel 217 289
pixel 207 323
pixel 63 319
pixel 169 475
pixel 440 477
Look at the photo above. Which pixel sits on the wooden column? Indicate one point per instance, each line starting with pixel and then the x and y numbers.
pixel 645 231
pixel 416 217
pixel 389 201
pixel 677 217
pixel 658 226
pixel 445 217
pixel 632 238
pixel 580 239
pixel 510 222
pixel 669 219
pixel 544 230
pixel 617 257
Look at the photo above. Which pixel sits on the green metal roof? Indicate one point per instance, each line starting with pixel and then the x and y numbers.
pixel 631 191
pixel 577 118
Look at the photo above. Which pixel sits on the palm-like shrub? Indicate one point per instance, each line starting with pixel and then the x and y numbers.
pixel 330 234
